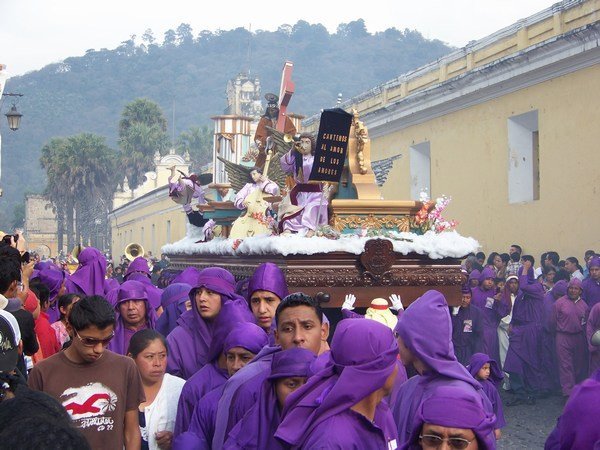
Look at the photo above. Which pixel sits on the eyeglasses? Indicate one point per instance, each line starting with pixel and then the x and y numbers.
pixel 434 441
pixel 92 342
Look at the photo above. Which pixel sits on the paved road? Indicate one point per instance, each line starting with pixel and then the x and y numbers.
pixel 529 426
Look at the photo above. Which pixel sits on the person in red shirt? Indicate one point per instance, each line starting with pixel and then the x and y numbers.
pixel 45 333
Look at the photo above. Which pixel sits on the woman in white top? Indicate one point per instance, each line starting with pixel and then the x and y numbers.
pixel 157 414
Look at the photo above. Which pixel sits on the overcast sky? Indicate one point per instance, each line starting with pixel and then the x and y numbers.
pixel 34 33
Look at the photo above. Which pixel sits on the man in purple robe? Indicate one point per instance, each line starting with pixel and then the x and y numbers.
pixel 289 370
pixel 300 323
pixel 189 342
pixel 577 427
pixel 133 313
pixel 493 306
pixel 592 334
pixel 233 339
pixel 548 349
pixel 90 276
pixel 454 416
pixel 569 317
pixel 467 328
pixel 266 288
pixel 139 270
pixel 523 359
pixel 591 285
pixel 432 356
pixel 342 406
pixel 174 301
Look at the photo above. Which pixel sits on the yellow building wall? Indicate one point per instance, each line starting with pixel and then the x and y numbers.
pixel 469 162
pixel 152 226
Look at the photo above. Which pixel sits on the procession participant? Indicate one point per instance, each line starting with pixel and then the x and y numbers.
pixel 189 342
pixel 299 320
pixel 493 306
pixel 593 337
pixel 86 376
pixel 89 278
pixel 133 313
pixel 432 356
pixel 523 360
pixel 289 370
pixel 454 417
pixel 467 328
pixel 569 317
pixel 189 275
pixel 241 346
pixel 231 329
pixel 138 265
pixel 489 375
pixel 174 301
pixel 65 304
pixel 266 288
pixel 139 271
pixel 347 394
pixel 548 347
pixel 148 348
pixel 577 427
pixel 510 292
pixel 591 285
pixel 269 119
pixel 55 281
pixel 474 278
pixel 379 310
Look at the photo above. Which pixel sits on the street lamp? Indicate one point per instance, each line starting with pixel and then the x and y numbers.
pixel 13 116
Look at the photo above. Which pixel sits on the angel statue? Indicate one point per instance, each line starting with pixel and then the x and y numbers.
pixel 305 209
pixel 186 188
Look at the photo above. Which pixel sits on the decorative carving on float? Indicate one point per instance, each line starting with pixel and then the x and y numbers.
pixel 362 136
pixel 371 221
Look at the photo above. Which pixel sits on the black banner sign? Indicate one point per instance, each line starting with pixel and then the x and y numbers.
pixel 331 147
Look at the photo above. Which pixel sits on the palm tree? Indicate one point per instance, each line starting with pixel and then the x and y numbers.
pixel 198 142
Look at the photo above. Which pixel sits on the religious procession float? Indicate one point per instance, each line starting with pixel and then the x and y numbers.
pixel 312 205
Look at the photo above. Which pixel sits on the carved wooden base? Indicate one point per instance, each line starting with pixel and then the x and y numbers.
pixel 377 272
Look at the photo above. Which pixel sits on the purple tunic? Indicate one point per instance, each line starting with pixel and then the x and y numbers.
pixel 492 311
pixel 467 333
pixel 523 356
pixel 592 326
pixel 591 291
pixel 129 290
pixel 173 301
pixel 548 348
pixel 204 418
pixel 490 386
pixel 363 356
pixel 437 353
pixel 88 279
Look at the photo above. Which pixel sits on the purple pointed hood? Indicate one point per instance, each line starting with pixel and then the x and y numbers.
pixel 232 329
pixel 173 301
pixel 129 290
pixel 559 289
pixel 486 273
pixel 138 265
pixel 594 262
pixel 268 277
pixel 294 362
pixel 474 275
pixel 363 355
pixel 455 407
pixel 476 363
pixel 89 276
pixel 434 349
pixel 246 335
pixel 189 275
pixel 173 293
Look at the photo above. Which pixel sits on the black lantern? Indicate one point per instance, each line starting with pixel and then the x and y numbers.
pixel 14 118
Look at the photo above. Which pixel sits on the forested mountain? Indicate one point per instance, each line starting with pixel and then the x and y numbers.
pixel 189 71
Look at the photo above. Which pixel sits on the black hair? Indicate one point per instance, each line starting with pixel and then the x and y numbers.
pixel 480 255
pixel 518 247
pixel 550 268
pixel 299 299
pixel 9 272
pixel 41 291
pixel 561 274
pixel 505 257
pixel 11 253
pixel 575 261
pixel 64 301
pixel 491 257
pixel 543 258
pixel 42 433
pixel 515 257
pixel 553 256
pixel 142 339
pixel 529 258
pixel 589 254
pixel 561 264
pixel 92 310
pixel 258 169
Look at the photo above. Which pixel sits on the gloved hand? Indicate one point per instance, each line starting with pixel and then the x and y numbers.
pixel 349 302
pixel 396 302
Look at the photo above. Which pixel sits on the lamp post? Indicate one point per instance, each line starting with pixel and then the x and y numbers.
pixel 13 116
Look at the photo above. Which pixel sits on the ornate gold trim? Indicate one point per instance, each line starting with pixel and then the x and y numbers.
pixel 362 136
pixel 371 221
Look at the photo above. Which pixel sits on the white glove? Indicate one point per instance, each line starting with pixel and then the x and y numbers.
pixel 396 302
pixel 349 302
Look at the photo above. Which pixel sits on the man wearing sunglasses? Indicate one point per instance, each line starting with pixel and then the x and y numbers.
pixel 99 389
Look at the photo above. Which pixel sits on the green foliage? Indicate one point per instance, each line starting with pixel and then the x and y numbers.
pixel 88 93
pixel 198 142
pixel 18 219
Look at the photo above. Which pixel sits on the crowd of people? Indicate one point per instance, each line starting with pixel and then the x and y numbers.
pixel 198 360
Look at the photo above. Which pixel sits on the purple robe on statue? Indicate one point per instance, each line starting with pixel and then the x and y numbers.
pixel 307 196
pixel 230 331
pixel 129 290
pixel 257 429
pixel 592 326
pixel 490 386
pixel 319 415
pixel 525 340
pixel 88 279
pixel 454 407
pixel 53 279
pixel 172 300
pixel 591 287
pixel 189 342
pixel 268 187
pixel 577 427
pixel 436 351
pixel 467 332
pixel 492 311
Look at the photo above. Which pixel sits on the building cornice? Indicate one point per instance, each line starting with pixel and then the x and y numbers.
pixel 151 198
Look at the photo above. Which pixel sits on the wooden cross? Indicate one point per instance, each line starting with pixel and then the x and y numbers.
pixel 285 94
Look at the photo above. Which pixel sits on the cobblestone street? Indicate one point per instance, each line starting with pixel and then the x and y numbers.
pixel 529 426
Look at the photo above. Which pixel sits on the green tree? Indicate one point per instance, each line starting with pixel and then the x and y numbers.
pixel 18 216
pixel 198 142
pixel 142 133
